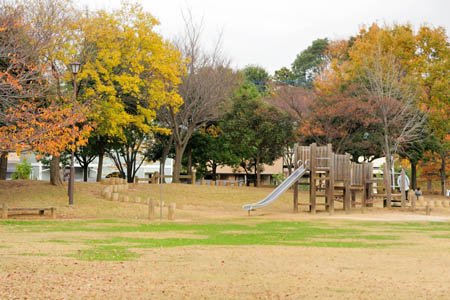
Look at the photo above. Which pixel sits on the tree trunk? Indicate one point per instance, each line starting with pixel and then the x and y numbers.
pixel 85 172
pixel 388 156
pixel 443 173
pixel 130 172
pixel 177 164
pixel 55 176
pixel 413 174
pixel 3 165
pixel 214 171
pixel 100 165
pixel 189 161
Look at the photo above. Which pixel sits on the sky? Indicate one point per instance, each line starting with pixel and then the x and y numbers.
pixel 271 33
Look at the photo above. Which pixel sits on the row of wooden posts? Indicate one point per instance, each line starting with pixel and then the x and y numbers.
pixel 112 192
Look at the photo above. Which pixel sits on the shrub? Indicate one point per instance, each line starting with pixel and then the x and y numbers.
pixel 23 170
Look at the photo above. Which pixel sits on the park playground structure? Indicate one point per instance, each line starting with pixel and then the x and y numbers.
pixel 335 178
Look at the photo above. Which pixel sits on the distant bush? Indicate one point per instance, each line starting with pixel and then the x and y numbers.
pixel 23 170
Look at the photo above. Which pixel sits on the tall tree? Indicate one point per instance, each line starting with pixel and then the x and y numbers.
pixel 433 69
pixel 129 73
pixel 208 84
pixel 258 76
pixel 309 62
pixel 257 132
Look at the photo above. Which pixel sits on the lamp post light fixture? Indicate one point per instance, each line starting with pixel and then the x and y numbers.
pixel 75 69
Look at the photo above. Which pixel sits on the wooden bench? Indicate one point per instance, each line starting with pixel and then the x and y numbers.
pixel 6 211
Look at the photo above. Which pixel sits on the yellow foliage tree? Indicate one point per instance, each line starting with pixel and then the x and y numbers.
pixel 129 71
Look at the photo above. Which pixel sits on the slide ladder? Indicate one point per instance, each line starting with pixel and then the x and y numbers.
pixel 286 184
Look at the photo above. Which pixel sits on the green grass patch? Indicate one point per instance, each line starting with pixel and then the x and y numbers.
pixel 106 253
pixel 33 254
pixel 305 234
pixel 441 236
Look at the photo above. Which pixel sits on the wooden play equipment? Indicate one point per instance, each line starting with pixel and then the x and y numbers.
pixel 334 178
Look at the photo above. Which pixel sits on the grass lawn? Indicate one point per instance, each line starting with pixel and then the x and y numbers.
pixel 102 249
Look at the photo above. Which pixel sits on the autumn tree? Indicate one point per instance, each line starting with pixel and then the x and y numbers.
pixel 207 85
pixel 36 114
pixel 130 71
pixel 433 67
pixel 20 73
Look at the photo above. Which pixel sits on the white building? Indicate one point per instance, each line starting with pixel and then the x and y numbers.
pixel 41 172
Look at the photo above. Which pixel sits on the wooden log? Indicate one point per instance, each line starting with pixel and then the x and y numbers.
pixel 115 189
pixel 108 195
pixel 151 209
pixel 5 211
pixel 219 183
pixel 53 212
pixel 171 211
pixel 115 197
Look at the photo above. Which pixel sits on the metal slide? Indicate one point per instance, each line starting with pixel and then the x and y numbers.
pixel 287 183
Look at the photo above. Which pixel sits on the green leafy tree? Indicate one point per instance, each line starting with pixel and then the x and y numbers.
pixel 258 76
pixel 256 132
pixel 209 149
pixel 284 75
pixel 309 62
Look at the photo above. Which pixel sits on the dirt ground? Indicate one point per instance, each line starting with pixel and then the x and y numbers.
pixel 266 272
pixel 417 269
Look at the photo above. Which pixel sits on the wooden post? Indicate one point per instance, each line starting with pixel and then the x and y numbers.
pixel 413 203
pixel 364 191
pixel 428 208
pixel 5 211
pixel 353 195
pixel 136 180
pixel 347 182
pixel 296 197
pixel 402 188
pixel 171 211
pixel 53 212
pixel 151 210
pixel 193 177
pixel 330 185
pixel 387 186
pixel 312 178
